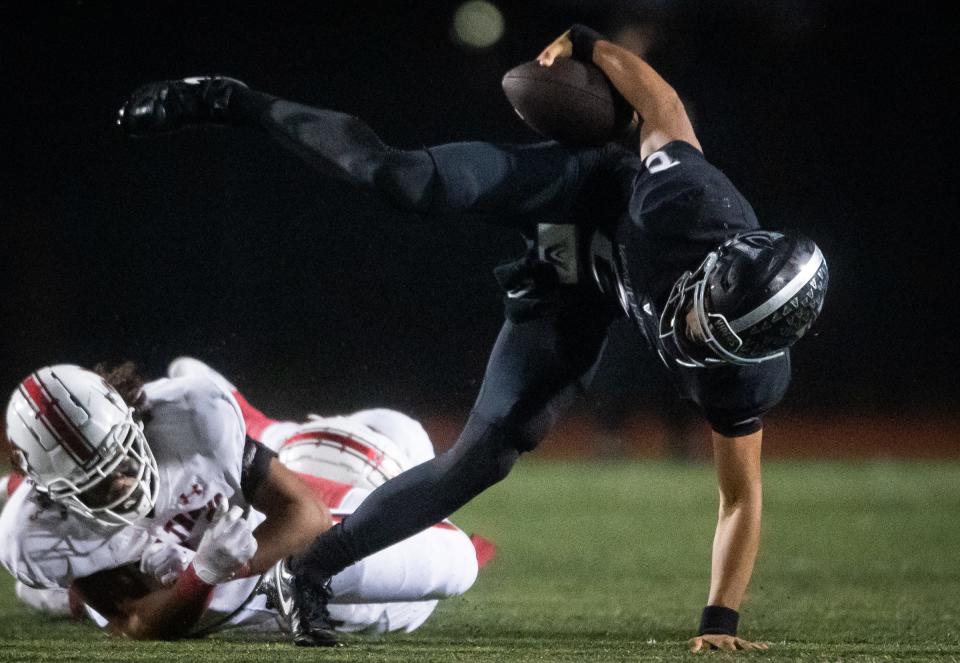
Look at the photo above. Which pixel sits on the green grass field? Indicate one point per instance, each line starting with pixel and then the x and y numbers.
pixel 610 561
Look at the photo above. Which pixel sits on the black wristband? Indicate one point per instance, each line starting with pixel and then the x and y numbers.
pixel 254 467
pixel 717 619
pixel 583 40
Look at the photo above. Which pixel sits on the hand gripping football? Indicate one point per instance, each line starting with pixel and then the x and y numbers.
pixel 571 102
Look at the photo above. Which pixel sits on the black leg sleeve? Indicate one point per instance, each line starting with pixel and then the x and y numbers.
pixel 344 147
pixel 536 369
pixel 499 184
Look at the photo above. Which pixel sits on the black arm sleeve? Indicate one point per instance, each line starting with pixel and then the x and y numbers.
pixel 256 465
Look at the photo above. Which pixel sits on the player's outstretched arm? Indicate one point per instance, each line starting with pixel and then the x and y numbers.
pixel 663 115
pixel 735 543
pixel 137 611
pixel 294 517
pixel 229 549
pixel 143 612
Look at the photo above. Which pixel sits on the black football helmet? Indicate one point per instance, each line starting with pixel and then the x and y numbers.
pixel 753 298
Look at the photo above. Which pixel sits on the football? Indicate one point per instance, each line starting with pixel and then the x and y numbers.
pixel 571 102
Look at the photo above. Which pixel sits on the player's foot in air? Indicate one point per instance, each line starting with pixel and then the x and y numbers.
pixel 255 420
pixel 164 106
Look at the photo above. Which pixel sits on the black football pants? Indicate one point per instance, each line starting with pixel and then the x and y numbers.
pixel 536 368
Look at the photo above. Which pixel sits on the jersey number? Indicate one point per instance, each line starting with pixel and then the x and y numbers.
pixel 660 161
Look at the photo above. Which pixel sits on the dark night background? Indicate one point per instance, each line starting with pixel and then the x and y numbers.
pixel 831 117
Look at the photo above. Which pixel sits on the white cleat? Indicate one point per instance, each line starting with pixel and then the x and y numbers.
pixel 188 366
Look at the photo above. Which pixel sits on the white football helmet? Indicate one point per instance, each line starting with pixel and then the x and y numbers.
pixel 76 438
pixel 342 450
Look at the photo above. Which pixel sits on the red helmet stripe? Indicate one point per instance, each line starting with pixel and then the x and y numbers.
pixel 363 449
pixel 48 411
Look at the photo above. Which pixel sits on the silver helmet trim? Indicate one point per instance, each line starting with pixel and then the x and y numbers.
pixel 693 286
pixel 783 296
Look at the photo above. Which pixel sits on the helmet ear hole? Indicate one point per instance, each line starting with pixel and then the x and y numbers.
pixel 721 331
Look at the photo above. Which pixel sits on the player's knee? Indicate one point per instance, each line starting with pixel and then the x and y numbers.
pixel 498 466
pixel 49 601
pixel 464 575
pixel 459 584
pixel 484 453
pixel 405 179
pixel 524 431
pixel 480 471
pixel 451 559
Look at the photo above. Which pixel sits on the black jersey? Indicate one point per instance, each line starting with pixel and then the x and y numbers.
pixel 632 229
pixel 607 233
pixel 681 208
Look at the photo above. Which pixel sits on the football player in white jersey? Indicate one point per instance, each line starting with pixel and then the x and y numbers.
pixel 162 518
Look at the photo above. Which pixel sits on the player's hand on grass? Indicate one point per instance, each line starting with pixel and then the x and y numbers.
pixel 165 561
pixel 226 547
pixel 561 47
pixel 704 643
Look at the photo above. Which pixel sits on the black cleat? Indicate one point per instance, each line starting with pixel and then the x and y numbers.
pixel 165 106
pixel 310 621
pixel 302 607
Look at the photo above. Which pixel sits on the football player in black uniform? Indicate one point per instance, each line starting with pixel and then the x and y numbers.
pixel 661 236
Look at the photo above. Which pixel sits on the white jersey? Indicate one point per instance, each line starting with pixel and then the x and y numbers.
pixel 197 435
pixel 396 588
